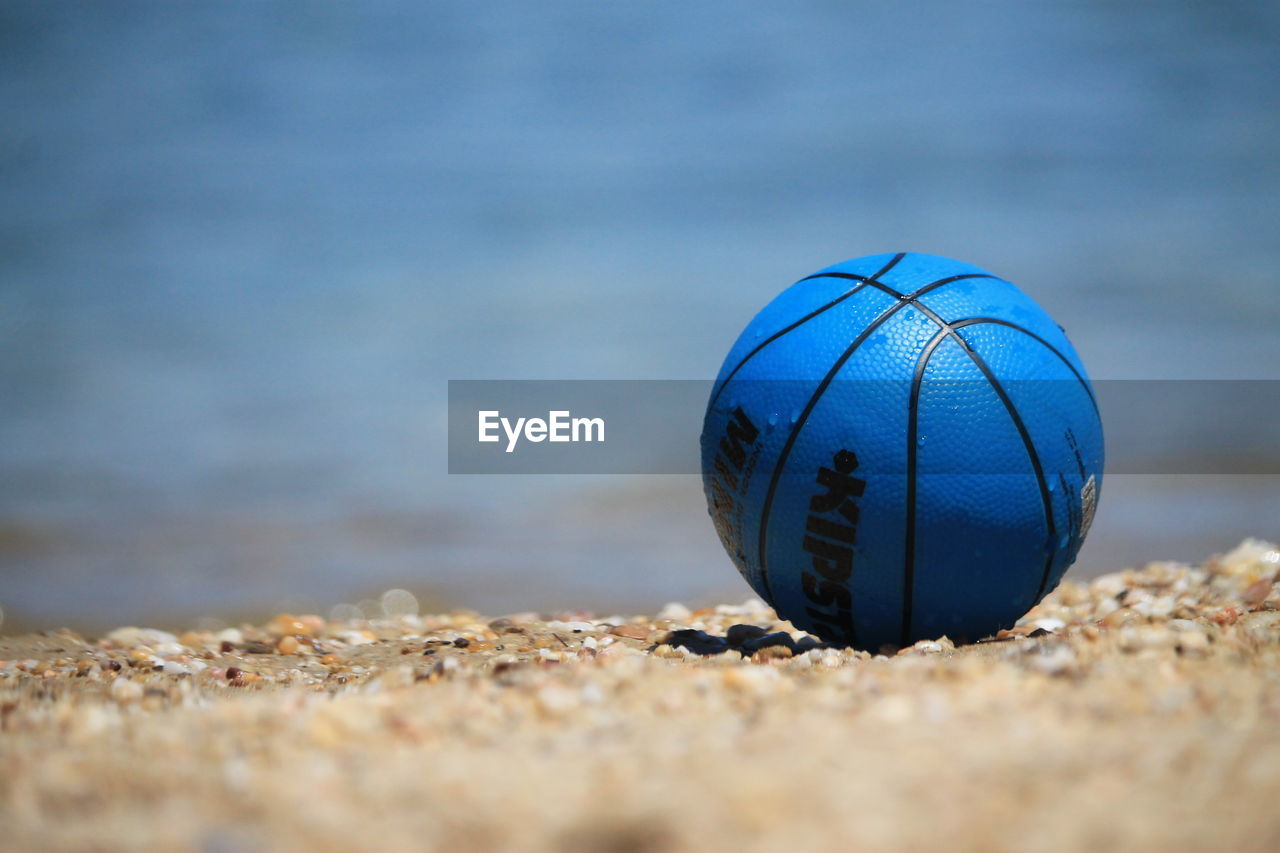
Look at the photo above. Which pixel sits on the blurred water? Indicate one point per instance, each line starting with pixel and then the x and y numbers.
pixel 243 246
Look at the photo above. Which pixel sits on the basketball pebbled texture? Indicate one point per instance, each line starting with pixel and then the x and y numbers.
pixel 902 446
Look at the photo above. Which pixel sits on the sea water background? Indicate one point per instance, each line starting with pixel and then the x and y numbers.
pixel 243 247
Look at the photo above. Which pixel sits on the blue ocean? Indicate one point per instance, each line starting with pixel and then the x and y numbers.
pixel 244 247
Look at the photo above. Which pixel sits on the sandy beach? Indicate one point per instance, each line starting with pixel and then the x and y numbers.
pixel 1138 711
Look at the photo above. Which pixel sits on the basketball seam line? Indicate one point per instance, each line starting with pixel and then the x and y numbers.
pixel 806 318
pixel 903 301
pixel 1050 521
pixel 909 546
pixel 974 321
pixel 949 329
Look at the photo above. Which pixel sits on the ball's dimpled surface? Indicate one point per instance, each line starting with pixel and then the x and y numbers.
pixel 902 446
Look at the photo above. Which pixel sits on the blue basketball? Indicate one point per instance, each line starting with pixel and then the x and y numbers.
pixel 901 447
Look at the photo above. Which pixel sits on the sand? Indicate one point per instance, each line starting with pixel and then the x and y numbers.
pixel 1138 711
